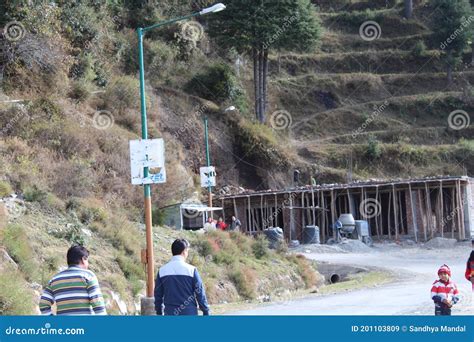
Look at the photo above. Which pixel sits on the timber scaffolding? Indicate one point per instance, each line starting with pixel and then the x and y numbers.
pixel 437 207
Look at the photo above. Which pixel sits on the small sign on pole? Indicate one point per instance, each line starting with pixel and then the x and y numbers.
pixel 208 176
pixel 151 154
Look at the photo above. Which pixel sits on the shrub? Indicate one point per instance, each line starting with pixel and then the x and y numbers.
pixel 131 268
pixel 245 281
pixel 373 150
pixel 203 247
pixel 80 90
pixel 16 242
pixel 260 247
pixel 34 194
pixel 158 217
pixel 122 94
pixel 305 269
pixel 218 83
pixel 15 297
pixel 419 49
pixel 5 189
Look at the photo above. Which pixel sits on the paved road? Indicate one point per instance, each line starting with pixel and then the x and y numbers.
pixel 415 270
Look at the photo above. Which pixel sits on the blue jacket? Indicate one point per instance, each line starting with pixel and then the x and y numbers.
pixel 178 287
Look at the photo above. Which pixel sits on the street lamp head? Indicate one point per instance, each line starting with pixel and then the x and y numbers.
pixel 213 9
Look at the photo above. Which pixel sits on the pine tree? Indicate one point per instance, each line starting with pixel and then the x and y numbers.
pixel 453 28
pixel 256 27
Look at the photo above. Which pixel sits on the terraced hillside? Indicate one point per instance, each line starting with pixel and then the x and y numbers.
pixel 379 107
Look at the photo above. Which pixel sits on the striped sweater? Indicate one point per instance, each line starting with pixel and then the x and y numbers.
pixel 444 290
pixel 75 291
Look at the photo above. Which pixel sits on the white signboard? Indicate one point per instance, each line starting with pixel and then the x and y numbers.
pixel 151 154
pixel 208 176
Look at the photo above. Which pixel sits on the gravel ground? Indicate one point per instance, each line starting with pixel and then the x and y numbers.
pixel 414 267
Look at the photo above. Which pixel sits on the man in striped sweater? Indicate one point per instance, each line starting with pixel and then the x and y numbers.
pixel 444 292
pixel 75 290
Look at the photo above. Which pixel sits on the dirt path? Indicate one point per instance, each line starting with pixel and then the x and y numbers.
pixel 415 270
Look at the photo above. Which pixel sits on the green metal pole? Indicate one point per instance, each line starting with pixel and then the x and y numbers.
pixel 208 158
pixel 147 187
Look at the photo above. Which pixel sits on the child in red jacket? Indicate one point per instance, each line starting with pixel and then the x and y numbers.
pixel 444 292
pixel 470 268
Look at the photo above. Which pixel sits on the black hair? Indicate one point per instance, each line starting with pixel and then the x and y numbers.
pixel 75 254
pixel 471 257
pixel 178 246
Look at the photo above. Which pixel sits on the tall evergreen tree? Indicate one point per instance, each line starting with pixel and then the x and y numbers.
pixel 408 13
pixel 453 29
pixel 256 27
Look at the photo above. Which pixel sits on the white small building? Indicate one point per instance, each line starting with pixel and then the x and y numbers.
pixel 188 215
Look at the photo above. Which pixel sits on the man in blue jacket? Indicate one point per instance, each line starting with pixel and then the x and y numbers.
pixel 178 285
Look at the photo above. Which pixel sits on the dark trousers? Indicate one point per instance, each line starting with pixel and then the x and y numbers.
pixel 442 310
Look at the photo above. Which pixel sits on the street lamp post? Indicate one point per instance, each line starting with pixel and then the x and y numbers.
pixel 147 187
pixel 208 158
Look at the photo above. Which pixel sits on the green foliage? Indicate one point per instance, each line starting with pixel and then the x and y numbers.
pixel 245 281
pixel 16 242
pixel 158 217
pixel 80 21
pixel 279 24
pixel 131 267
pixel 5 189
pixel 419 49
pixel 373 150
pixel 260 247
pixel 218 83
pixel 122 94
pixel 15 297
pixel 34 194
pixel 453 27
pixel 203 247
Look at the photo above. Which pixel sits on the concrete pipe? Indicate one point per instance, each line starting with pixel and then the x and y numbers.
pixel 334 278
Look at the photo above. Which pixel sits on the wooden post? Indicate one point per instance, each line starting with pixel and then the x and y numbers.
pixel 422 214
pixel 461 211
pixel 413 218
pixel 235 208
pixel 380 214
pixel 400 214
pixel 441 206
pixel 453 210
pixel 250 225
pixel 313 212
pixel 428 210
pixel 324 213
pixel 395 211
pixel 332 207
pixel 223 209
pixel 303 211
pixel 261 211
pixel 275 223
pixel 389 222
